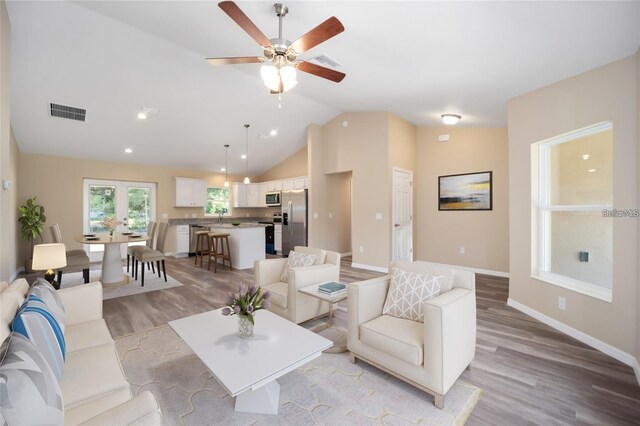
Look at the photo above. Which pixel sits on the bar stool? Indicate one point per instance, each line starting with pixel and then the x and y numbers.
pixel 217 242
pixel 201 238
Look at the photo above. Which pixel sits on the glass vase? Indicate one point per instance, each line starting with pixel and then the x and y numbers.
pixel 245 327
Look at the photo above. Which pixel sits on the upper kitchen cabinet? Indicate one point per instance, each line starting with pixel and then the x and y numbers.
pixel 190 192
pixel 300 183
pixel 246 194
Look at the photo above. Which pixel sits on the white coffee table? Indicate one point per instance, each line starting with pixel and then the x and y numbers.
pixel 248 368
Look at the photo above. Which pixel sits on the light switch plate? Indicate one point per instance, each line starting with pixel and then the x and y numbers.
pixel 315 215
pixel 6 184
pixel 378 216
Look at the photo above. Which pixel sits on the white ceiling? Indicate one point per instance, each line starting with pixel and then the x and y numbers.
pixel 415 59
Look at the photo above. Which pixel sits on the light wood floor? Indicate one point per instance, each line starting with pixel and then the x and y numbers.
pixel 530 373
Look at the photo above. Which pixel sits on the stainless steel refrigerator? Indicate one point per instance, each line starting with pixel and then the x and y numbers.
pixel 294 219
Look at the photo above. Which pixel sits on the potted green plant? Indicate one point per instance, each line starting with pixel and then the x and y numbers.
pixel 32 219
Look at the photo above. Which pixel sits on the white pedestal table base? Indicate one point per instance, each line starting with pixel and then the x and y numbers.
pixel 264 400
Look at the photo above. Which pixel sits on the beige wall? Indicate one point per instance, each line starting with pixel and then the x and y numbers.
pixel 293 166
pixel 638 206
pixel 360 148
pixel 338 212
pixel 369 146
pixel 402 154
pixel 8 157
pixel 606 93
pixel 483 234
pixel 58 184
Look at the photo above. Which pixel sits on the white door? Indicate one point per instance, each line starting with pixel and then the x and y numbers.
pixel 402 239
pixel 133 203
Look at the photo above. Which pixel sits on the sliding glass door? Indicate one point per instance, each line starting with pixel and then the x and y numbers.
pixel 133 203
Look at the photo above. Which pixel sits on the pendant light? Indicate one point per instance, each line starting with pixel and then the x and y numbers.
pixel 246 160
pixel 226 166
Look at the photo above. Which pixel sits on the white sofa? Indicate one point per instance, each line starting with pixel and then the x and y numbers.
pixel 94 388
pixel 286 300
pixel 429 355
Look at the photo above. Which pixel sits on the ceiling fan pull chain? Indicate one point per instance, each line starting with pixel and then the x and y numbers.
pixel 280 100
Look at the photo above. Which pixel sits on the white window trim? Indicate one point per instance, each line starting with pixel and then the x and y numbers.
pixel 204 209
pixel 540 267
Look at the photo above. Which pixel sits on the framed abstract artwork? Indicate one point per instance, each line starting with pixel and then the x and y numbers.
pixel 468 191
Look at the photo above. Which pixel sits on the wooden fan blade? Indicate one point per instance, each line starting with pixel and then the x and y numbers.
pixel 235 60
pixel 319 34
pixel 235 13
pixel 323 72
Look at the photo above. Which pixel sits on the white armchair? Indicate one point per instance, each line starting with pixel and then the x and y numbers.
pixel 286 300
pixel 430 355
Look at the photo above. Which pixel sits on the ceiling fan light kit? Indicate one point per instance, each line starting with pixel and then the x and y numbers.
pixel 280 61
pixel 450 119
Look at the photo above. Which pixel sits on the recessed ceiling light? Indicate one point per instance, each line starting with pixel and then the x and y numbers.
pixel 273 132
pixel 585 156
pixel 128 150
pixel 142 115
pixel 243 156
pixel 450 119
pixel 592 170
pixel 145 112
pixel 223 169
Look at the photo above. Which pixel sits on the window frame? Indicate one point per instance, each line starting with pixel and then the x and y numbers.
pixel 228 213
pixel 543 208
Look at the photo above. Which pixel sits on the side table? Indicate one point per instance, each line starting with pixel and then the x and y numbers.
pixel 340 343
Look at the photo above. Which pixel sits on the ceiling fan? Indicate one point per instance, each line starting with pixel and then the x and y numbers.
pixel 280 55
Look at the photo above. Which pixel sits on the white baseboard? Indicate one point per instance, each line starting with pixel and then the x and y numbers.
pixel 13 276
pixel 606 348
pixel 481 271
pixel 370 267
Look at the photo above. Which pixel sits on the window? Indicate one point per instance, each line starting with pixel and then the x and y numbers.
pixel 217 201
pixel 572 185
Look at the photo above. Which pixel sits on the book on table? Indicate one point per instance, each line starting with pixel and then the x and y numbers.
pixel 332 288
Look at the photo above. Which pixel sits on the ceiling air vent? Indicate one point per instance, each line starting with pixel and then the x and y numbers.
pixel 324 60
pixel 64 111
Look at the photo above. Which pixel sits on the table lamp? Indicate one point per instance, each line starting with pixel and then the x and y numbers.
pixel 49 257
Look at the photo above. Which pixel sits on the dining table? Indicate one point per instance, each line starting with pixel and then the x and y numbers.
pixel 112 271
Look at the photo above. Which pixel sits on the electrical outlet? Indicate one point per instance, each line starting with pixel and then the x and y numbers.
pixel 361 249
pixel 562 303
pixel 461 250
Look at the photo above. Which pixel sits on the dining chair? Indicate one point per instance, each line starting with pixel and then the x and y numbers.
pixel 77 260
pixel 147 255
pixel 151 232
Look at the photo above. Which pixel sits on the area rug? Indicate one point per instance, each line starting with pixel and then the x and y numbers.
pixel 151 283
pixel 327 391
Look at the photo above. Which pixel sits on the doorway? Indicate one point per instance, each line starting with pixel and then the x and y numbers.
pixel 402 234
pixel 133 203
pixel 338 212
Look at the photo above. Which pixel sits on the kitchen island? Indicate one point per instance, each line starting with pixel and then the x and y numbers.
pixel 247 242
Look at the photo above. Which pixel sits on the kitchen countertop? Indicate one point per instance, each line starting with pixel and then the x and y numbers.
pixel 213 220
pixel 242 225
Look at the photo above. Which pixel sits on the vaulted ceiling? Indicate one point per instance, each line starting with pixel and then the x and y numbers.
pixel 415 59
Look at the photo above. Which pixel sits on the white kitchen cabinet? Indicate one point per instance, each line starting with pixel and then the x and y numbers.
pixel 277 238
pixel 239 193
pixel 264 188
pixel 182 240
pixel 190 192
pixel 287 185
pixel 300 183
pixel 253 195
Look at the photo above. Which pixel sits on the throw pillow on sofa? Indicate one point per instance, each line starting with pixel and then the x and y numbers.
pixel 35 321
pixel 296 260
pixel 29 391
pixel 407 293
pixel 49 295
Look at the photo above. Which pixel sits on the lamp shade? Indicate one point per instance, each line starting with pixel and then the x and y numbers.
pixel 49 256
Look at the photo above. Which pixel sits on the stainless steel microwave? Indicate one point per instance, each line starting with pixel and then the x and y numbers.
pixel 273 199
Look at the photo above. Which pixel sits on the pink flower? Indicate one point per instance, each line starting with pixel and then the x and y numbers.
pixel 266 304
pixel 266 295
pixel 226 311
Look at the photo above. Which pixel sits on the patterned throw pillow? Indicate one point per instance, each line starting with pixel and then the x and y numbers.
pixel 408 291
pixel 296 260
pixel 49 295
pixel 35 321
pixel 29 391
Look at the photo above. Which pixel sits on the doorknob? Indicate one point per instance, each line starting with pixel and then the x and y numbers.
pixel 395 225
